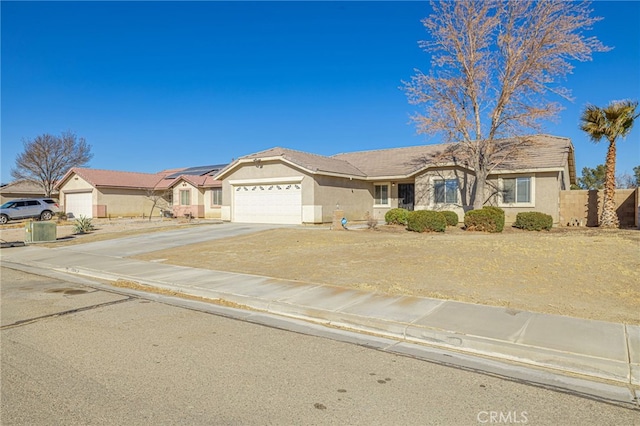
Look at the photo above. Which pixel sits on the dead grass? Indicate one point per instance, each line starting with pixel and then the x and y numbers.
pixel 133 285
pixel 582 272
pixel 587 273
pixel 105 229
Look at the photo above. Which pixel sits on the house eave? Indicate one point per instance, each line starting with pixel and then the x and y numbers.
pixel 257 162
pixel 530 170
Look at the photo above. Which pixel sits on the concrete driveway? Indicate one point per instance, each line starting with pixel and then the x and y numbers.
pixel 145 243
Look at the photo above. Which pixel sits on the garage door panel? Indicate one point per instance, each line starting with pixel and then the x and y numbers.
pixel 80 204
pixel 268 203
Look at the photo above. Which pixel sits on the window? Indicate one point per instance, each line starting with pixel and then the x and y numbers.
pixel 516 190
pixel 185 197
pixel 446 191
pixel 381 193
pixel 216 197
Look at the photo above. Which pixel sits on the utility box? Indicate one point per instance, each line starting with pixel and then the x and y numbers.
pixel 40 232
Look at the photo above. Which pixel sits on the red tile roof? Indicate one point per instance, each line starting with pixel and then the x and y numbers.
pixel 135 180
pixel 115 179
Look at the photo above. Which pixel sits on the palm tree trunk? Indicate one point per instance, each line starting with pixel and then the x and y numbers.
pixel 609 218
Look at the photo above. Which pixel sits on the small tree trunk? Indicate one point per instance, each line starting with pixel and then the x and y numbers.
pixel 609 218
pixel 152 208
pixel 479 194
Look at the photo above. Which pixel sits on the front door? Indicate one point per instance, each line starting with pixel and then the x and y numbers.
pixel 406 195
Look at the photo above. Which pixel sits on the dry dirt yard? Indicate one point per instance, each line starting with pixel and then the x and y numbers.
pixel 587 273
pixel 104 229
pixel 581 272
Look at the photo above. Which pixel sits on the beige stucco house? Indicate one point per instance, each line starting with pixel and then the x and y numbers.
pixel 194 195
pixel 109 193
pixel 281 185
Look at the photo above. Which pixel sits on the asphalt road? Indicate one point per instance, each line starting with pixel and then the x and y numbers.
pixel 76 355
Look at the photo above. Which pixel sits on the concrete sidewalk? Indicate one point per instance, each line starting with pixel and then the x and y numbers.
pixel 587 348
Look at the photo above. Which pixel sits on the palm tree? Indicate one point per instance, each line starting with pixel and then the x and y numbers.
pixel 610 122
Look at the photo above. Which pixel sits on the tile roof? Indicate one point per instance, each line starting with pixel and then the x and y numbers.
pixel 116 179
pixel 120 179
pixel 392 162
pixel 22 187
pixel 541 151
pixel 197 181
pixel 313 162
pixel 544 151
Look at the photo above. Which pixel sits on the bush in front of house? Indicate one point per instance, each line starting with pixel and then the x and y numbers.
pixel 488 219
pixel 396 216
pixel 451 217
pixel 533 221
pixel 426 220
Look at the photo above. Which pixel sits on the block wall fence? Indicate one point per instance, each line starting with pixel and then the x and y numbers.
pixel 583 207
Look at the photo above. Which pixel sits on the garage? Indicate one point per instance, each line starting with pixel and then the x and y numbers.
pixel 278 203
pixel 79 204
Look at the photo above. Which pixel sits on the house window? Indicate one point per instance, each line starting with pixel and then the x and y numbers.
pixel 516 190
pixel 446 191
pixel 185 197
pixel 381 193
pixel 216 197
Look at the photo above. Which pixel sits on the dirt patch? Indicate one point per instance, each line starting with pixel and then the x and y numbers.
pixel 105 229
pixel 150 289
pixel 586 273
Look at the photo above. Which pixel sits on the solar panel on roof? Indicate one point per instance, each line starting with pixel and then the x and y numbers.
pixel 197 171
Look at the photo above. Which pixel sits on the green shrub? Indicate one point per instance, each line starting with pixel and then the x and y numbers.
pixel 533 221
pixel 498 215
pixel 426 220
pixel 451 217
pixel 82 225
pixel 396 216
pixel 489 219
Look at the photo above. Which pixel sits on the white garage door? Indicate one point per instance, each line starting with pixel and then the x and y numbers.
pixel 268 203
pixel 79 204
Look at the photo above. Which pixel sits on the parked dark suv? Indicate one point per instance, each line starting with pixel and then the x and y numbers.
pixel 25 208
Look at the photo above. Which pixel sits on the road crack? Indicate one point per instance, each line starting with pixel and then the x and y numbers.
pixel 63 313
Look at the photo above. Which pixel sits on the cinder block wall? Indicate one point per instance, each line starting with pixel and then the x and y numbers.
pixel 585 206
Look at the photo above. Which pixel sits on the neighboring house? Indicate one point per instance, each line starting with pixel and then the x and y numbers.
pixel 292 187
pixel 22 189
pixel 194 192
pixel 108 193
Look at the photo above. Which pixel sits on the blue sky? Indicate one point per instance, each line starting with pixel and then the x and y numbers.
pixel 156 85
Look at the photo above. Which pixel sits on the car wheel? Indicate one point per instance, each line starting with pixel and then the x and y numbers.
pixel 3 219
pixel 46 215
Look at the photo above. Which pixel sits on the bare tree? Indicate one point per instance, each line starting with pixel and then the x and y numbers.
pixel 626 181
pixel 47 158
pixel 493 64
pixel 159 198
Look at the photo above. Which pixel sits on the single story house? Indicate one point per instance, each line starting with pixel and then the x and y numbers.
pixel 194 192
pixel 286 186
pixel 109 193
pixel 22 189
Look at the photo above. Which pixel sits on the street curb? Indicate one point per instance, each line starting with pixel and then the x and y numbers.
pixel 625 373
pixel 550 378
